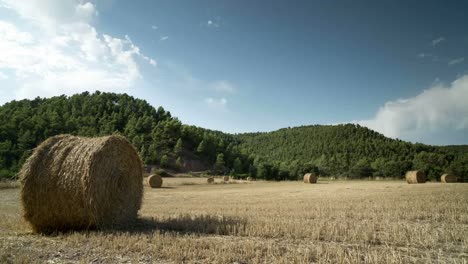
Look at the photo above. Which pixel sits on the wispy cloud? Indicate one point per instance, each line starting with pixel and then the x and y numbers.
pixel 456 61
pixel 438 108
pixel 213 24
pixel 223 86
pixel 428 56
pixel 154 27
pixel 56 50
pixel 437 41
pixel 164 38
pixel 220 103
pixel 425 55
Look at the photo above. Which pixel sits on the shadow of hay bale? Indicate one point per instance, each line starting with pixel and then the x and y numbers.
pixel 186 224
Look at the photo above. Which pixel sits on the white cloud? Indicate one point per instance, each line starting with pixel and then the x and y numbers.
pixel 216 103
pixel 163 38
pixel 55 50
pixel 426 55
pixel 456 61
pixel 211 23
pixel 423 55
pixel 437 41
pixel 223 86
pixel 154 27
pixel 437 109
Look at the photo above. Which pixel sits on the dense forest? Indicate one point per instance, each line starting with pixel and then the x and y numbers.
pixel 341 151
pixel 352 151
pixel 160 138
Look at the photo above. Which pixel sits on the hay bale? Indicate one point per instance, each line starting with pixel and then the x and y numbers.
pixel 448 178
pixel 210 180
pixel 310 178
pixel 415 177
pixel 226 178
pixel 80 183
pixel 154 181
pixel 250 178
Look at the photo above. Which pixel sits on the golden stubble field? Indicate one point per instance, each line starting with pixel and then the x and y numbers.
pixel 190 221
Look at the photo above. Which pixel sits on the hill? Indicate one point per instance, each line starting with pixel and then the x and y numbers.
pixel 162 140
pixel 348 143
pixel 351 151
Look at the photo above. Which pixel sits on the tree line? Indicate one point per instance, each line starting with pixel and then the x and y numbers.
pixel 351 151
pixel 162 140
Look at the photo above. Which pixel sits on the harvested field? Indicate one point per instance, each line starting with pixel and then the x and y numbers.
pixel 263 222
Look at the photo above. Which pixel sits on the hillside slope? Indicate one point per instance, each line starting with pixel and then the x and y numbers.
pixel 350 150
pixel 163 141
pixel 160 138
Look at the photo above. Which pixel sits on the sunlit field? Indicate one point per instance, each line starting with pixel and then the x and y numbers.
pixel 189 221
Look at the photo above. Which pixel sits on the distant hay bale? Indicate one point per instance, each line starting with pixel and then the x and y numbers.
pixel 226 178
pixel 155 181
pixel 80 183
pixel 250 179
pixel 415 177
pixel 310 178
pixel 210 180
pixel 448 178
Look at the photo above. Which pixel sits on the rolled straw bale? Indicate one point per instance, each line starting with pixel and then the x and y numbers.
pixel 79 183
pixel 448 178
pixel 226 178
pixel 155 181
pixel 210 180
pixel 415 177
pixel 310 178
pixel 250 178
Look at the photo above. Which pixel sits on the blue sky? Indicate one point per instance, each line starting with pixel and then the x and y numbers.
pixel 240 66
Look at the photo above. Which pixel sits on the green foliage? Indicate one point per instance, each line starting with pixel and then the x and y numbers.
pixel 201 147
pixel 238 166
pixel 459 167
pixel 285 154
pixel 179 163
pixel 219 167
pixel 164 163
pixel 154 132
pixel 361 169
pixel 161 172
pixel 178 147
pixel 433 164
pixel 6 174
pixel 346 150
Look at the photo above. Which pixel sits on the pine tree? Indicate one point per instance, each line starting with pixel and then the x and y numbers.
pixel 219 165
pixel 178 147
pixel 164 161
pixel 201 147
pixel 179 164
pixel 238 166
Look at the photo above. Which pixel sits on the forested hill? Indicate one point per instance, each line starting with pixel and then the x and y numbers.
pixel 353 151
pixel 162 140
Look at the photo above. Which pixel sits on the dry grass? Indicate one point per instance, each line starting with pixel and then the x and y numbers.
pixel 9 184
pixel 264 222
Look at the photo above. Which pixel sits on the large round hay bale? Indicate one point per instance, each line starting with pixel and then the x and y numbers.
pixel 79 183
pixel 448 178
pixel 250 178
pixel 415 177
pixel 210 180
pixel 226 178
pixel 310 178
pixel 155 181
